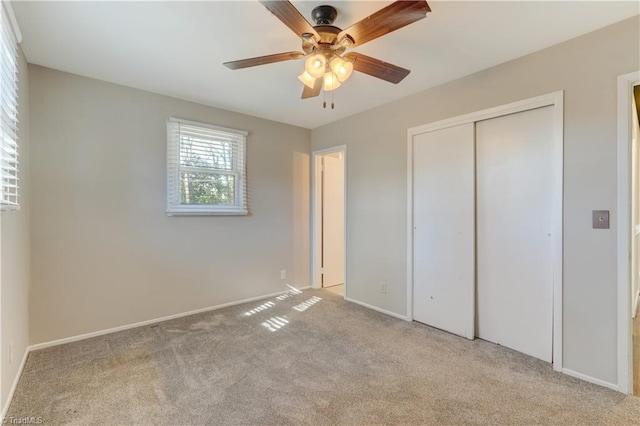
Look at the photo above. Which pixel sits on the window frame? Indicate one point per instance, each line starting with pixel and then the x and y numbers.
pixel 175 170
pixel 10 37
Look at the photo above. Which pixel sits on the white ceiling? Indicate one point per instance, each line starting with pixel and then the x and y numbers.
pixel 177 48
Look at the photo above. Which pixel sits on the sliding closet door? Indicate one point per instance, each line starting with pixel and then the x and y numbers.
pixel 514 231
pixel 443 234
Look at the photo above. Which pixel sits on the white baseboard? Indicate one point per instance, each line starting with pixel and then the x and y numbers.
pixel 12 390
pixel 375 308
pixel 636 297
pixel 152 321
pixel 590 379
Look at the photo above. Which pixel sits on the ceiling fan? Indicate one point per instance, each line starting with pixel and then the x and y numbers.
pixel 324 45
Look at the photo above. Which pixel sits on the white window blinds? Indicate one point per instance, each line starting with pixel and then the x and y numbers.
pixel 8 113
pixel 206 172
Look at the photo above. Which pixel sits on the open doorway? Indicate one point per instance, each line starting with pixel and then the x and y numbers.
pixel 329 219
pixel 628 233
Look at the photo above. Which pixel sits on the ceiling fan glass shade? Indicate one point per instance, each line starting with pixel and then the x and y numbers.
pixel 315 66
pixel 307 79
pixel 341 68
pixel 331 82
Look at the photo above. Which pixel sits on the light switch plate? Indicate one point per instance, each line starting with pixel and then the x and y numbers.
pixel 601 219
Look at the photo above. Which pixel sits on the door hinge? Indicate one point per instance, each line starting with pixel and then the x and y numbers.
pixel 322 270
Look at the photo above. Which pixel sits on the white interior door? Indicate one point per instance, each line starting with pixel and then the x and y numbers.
pixel 514 231
pixel 443 235
pixel 333 220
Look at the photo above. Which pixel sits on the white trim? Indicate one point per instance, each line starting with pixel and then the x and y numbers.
pixel 316 270
pixel 558 232
pixel 1 351
pixel 198 211
pixel 12 19
pixel 375 308
pixel 315 196
pixel 238 139
pixel 409 307
pixel 512 108
pixel 589 379
pixel 14 386
pixel 555 99
pixel 625 359
pixel 152 321
pixel 208 126
pixel 635 303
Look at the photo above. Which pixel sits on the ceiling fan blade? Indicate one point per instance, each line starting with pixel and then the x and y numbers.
pixel 291 17
pixel 263 60
pixel 312 93
pixel 377 68
pixel 388 19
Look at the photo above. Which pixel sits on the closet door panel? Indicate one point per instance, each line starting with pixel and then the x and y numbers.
pixel 514 231
pixel 443 234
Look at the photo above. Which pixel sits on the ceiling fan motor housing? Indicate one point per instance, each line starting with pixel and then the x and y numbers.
pixel 324 15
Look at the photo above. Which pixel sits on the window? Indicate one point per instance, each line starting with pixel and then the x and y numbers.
pixel 8 112
pixel 205 169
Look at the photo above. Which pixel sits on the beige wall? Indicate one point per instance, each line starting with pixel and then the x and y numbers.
pixel 14 253
pixel 586 69
pixel 105 254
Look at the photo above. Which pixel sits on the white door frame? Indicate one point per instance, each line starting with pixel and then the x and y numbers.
pixel 555 99
pixel 316 214
pixel 625 348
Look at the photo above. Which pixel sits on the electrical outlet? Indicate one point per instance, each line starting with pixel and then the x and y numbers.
pixel 283 274
pixel 383 288
pixel 10 352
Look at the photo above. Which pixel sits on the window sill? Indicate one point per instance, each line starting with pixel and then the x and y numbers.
pixel 187 212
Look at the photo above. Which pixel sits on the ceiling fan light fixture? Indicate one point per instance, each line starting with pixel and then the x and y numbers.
pixel 316 65
pixel 327 65
pixel 331 82
pixel 307 79
pixel 341 68
pixel 346 41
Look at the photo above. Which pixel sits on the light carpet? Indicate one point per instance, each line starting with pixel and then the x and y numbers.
pixel 308 358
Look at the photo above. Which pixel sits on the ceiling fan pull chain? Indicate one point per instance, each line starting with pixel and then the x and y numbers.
pixel 332 99
pixel 324 99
